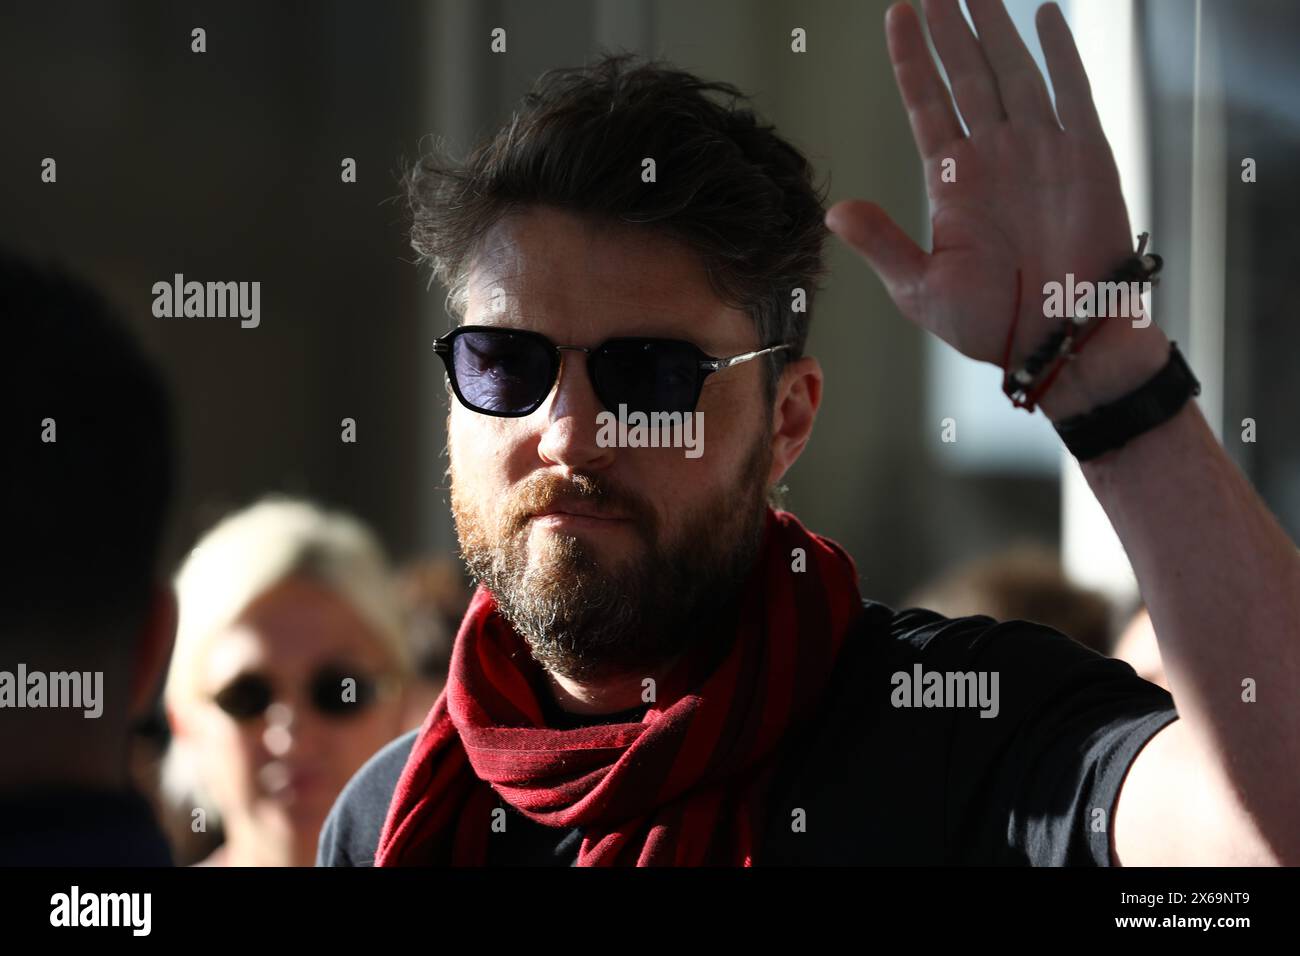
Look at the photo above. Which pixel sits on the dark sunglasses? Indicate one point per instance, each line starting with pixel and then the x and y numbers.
pixel 509 372
pixel 249 695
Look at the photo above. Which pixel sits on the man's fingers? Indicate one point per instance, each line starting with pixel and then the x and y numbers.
pixel 1020 84
pixel 973 82
pixel 926 98
pixel 1069 79
pixel 893 255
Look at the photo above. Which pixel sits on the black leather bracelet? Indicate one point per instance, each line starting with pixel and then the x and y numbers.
pixel 1116 423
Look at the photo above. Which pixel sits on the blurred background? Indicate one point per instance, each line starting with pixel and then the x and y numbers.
pixel 226 165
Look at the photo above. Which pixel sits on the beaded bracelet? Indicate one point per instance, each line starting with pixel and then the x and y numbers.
pixel 1027 386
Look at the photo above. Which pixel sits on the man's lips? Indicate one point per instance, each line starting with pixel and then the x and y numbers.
pixel 577 517
pixel 578 511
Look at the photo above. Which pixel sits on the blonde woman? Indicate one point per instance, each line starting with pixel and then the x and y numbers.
pixel 289 671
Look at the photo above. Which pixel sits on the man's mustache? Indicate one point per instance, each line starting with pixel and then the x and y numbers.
pixel 585 494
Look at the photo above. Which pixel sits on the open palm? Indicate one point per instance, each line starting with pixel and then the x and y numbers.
pixel 1019 193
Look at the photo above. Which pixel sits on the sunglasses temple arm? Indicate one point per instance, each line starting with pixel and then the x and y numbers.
pixel 717 364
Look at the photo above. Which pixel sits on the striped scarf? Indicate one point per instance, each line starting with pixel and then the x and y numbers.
pixel 684 786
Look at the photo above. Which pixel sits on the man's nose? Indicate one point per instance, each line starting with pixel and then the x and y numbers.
pixel 572 429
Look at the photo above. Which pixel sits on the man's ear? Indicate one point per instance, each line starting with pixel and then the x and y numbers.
pixel 153 650
pixel 798 396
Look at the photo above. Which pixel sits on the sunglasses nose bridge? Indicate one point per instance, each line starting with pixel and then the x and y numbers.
pixel 290 708
pixel 591 381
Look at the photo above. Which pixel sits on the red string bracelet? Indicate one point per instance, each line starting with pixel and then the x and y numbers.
pixel 1027 386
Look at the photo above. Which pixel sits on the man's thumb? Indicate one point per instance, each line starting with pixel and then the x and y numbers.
pixel 867 228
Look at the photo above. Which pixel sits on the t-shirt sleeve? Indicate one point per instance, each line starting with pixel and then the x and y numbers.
pixel 1037 779
pixel 350 835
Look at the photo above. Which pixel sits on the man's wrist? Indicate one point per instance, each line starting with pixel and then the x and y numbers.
pixel 1110 367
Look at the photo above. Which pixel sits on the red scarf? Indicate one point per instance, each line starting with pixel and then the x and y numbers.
pixel 683 786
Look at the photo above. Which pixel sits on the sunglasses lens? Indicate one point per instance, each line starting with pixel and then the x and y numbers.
pixel 502 372
pixel 647 376
pixel 245 698
pixel 337 694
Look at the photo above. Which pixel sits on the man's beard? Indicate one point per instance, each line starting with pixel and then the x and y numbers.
pixel 587 622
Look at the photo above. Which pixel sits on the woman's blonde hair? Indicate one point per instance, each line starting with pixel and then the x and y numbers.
pixel 245 555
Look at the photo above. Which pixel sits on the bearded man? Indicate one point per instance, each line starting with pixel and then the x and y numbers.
pixel 659 667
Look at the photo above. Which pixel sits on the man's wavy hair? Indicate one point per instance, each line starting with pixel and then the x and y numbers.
pixel 740 196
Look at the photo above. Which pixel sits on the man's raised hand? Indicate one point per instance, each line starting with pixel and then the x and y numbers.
pixel 1023 191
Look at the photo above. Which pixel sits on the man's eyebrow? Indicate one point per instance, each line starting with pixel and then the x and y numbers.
pixel 686 324
pixel 689 332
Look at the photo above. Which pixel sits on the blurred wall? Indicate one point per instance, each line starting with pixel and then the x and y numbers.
pixel 226 166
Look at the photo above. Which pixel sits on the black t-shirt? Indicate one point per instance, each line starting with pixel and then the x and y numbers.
pixel 899 767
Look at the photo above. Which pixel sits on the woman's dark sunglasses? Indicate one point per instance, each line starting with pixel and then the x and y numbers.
pixel 509 372
pixel 249 695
